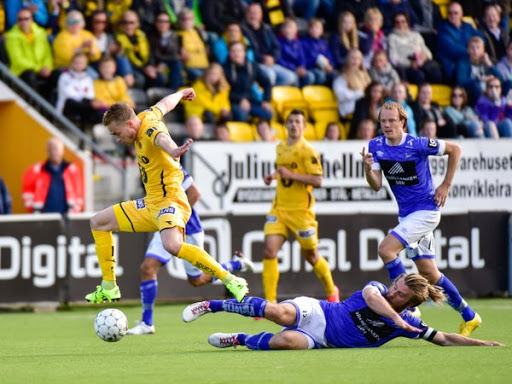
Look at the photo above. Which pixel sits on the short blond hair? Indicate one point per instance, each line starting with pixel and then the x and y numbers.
pixel 394 106
pixel 118 113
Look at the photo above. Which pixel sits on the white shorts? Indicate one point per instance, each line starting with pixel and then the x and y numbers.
pixel 416 233
pixel 157 251
pixel 310 321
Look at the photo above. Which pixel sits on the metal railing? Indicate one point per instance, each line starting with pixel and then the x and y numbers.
pixel 49 112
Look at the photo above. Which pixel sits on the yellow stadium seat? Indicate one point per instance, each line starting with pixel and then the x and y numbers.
pixel 413 91
pixel 310 132
pixel 470 20
pixel 279 129
pixel 441 94
pixel 240 132
pixel 322 103
pixel 286 98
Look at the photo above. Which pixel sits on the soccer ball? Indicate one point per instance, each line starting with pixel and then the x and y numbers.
pixel 110 324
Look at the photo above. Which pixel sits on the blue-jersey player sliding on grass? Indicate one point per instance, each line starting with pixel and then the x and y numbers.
pixel 404 161
pixel 369 318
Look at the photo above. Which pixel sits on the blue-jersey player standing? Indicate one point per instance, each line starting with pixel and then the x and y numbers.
pixel 404 161
pixel 156 256
pixel 369 318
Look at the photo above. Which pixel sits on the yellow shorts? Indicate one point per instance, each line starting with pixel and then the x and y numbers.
pixel 139 216
pixel 301 223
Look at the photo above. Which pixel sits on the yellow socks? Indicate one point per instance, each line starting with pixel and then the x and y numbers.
pixel 202 260
pixel 270 278
pixel 105 251
pixel 322 271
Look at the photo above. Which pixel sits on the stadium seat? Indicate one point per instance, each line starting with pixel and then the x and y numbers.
pixel 285 98
pixel 310 133
pixel 279 129
pixel 441 94
pixel 240 131
pixel 322 103
pixel 413 91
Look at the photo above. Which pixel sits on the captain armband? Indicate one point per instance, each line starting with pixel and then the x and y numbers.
pixel 428 334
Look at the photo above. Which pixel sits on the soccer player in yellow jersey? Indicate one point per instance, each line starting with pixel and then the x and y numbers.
pixel 298 170
pixel 165 207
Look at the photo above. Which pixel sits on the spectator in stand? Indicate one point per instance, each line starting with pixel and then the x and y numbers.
pixel 391 7
pixel 194 52
pixel 72 40
pixel 274 11
pixel 332 132
pixel 218 14
pixel 292 55
pixel 38 9
pixel 308 9
pixel 462 116
pixel 452 40
pixel 109 46
pixel 266 47
pixel 495 111
pixel 496 38
pixel 429 20
pixel 348 37
pixel 148 12
pixel 221 132
pixel 194 129
pixel 425 109
pixel 350 84
pixel 232 33
pixel 241 75
pixel 165 50
pixel 75 93
pixel 264 131
pixel 366 130
pixel 355 7
pixel 372 31
pixel 212 101
pixel 109 88
pixel 475 9
pixel 116 9
pixel 317 53
pixel 383 72
pixel 399 95
pixel 58 9
pixel 135 46
pixel 474 71
pixel 367 108
pixel 504 68
pixel 5 199
pixel 30 54
pixel 54 185
pixel 428 129
pixel 410 55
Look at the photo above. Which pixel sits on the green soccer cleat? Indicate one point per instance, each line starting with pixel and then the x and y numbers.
pixel 467 327
pixel 101 294
pixel 238 287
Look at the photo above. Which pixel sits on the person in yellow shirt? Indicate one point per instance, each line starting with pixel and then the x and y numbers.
pixel 110 88
pixel 298 170
pixel 165 207
pixel 193 48
pixel 212 102
pixel 74 39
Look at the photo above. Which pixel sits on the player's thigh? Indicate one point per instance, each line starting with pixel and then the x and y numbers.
pixel 415 226
pixel 389 248
pixel 134 216
pixel 311 321
pixel 427 267
pixel 304 226
pixel 290 339
pixel 172 239
pixel 273 244
pixel 156 250
pixel 105 220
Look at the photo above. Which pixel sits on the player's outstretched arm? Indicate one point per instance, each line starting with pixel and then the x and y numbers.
pixel 168 145
pixel 454 339
pixel 169 102
pixel 314 180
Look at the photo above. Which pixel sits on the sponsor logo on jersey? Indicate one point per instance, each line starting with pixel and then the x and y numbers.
pixel 144 159
pixel 304 234
pixel 397 168
pixel 432 143
pixel 170 210
pixel 150 131
pixel 380 153
pixel 314 160
pixel 270 219
pixel 400 172
pixel 140 203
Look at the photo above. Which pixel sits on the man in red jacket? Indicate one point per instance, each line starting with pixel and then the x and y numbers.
pixel 53 185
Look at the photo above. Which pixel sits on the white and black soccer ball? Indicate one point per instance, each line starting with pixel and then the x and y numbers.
pixel 111 324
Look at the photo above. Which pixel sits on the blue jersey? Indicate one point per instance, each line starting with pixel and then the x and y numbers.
pixel 352 324
pixel 407 170
pixel 194 224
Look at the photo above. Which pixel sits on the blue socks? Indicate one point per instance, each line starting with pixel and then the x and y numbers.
pixel 250 307
pixel 454 298
pixel 257 342
pixel 231 266
pixel 148 292
pixel 395 268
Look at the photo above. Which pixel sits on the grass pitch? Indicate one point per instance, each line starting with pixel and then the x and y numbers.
pixel 62 347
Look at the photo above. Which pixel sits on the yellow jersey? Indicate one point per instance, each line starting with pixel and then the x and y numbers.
pixel 300 158
pixel 160 173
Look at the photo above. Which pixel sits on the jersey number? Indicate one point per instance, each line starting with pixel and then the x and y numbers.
pixel 287 183
pixel 143 174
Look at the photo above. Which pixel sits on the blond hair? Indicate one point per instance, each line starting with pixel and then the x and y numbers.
pixel 373 11
pixel 356 78
pixel 221 85
pixel 422 289
pixel 394 106
pixel 348 39
pixel 118 113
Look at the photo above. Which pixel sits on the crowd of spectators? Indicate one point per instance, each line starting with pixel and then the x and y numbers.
pixel 84 55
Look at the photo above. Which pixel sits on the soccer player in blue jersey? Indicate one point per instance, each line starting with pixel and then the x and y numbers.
pixel 368 318
pixel 404 161
pixel 156 256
